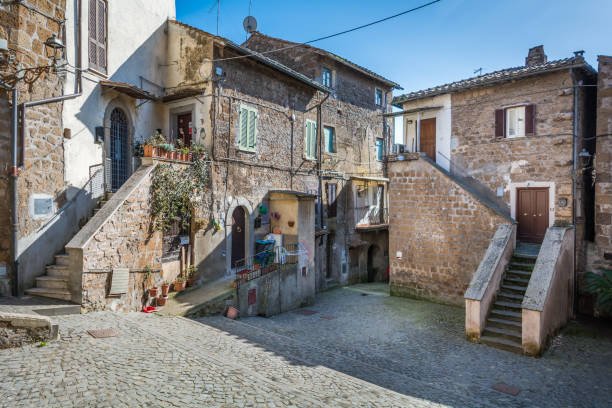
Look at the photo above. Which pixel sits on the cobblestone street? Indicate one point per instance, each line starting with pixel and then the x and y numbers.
pixel 354 351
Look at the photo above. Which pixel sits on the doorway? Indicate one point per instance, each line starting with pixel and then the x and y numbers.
pixel 428 138
pixel 119 148
pixel 532 214
pixel 238 237
pixel 184 128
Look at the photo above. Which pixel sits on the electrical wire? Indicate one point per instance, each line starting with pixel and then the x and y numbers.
pixel 350 30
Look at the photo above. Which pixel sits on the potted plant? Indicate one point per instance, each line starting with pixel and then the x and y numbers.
pixel 151 143
pixel 153 292
pixel 167 150
pixel 190 272
pixel 165 288
pixel 179 284
pixel 232 312
pixel 161 301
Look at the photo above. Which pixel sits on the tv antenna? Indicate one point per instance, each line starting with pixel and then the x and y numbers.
pixel 479 71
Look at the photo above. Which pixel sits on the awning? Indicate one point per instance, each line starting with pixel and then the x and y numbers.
pixel 415 110
pixel 129 90
pixel 386 180
pixel 183 94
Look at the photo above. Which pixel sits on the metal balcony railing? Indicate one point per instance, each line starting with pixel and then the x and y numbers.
pixel 369 216
pixel 268 261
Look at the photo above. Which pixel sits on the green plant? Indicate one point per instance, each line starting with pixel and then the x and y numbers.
pixel 138 149
pixel 180 279
pixel 155 139
pixel 42 344
pixel 190 271
pixel 169 147
pixel 173 191
pixel 601 287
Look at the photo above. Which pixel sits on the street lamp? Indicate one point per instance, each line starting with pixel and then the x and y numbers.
pixel 585 157
pixel 54 46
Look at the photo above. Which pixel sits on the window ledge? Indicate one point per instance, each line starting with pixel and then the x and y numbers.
pixel 245 150
pixel 97 73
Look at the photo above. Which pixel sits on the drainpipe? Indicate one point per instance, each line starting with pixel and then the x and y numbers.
pixel 15 165
pixel 319 162
pixel 574 179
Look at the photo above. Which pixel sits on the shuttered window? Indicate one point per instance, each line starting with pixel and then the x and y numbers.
pixel 330 139
pixel 379 149
pixel 97 35
pixel 517 121
pixel 247 128
pixel 310 140
pixel 330 189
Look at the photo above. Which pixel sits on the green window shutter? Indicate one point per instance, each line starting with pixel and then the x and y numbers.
pixel 307 140
pixel 313 140
pixel 243 128
pixel 252 129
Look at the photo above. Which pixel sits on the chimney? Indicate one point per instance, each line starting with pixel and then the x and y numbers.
pixel 536 56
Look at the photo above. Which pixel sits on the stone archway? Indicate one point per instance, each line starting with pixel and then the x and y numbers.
pixel 249 220
pixel 118 142
pixel 374 263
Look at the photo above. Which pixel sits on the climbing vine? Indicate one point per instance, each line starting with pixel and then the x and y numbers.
pixel 174 189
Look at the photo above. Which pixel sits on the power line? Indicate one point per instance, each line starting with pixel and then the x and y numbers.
pixel 332 35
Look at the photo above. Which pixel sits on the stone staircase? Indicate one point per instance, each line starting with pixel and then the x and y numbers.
pixel 503 328
pixel 56 282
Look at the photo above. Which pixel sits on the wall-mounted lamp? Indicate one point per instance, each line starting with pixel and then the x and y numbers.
pixel 585 158
pixel 54 47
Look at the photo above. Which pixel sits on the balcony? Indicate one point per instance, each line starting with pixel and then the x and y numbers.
pixel 371 218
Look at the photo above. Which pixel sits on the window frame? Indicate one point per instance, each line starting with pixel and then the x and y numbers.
pixel 331 77
pixel 306 141
pixel 507 121
pixel 247 148
pixel 327 145
pixel 95 67
pixel 380 153
pixel 382 97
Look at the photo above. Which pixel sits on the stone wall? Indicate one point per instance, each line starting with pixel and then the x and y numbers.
pixel 438 232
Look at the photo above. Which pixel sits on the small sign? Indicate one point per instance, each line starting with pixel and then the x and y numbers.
pixel 398 254
pixel 43 206
pixel 184 239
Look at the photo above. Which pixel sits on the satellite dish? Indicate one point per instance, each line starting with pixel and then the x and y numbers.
pixel 249 24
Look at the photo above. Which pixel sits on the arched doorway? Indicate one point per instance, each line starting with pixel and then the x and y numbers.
pixel 119 148
pixel 373 272
pixel 238 236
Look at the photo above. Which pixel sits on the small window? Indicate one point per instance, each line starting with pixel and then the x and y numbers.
pixel 379 149
pixel 310 140
pixel 515 122
pixel 97 35
pixel 248 128
pixel 378 98
pixel 330 190
pixel 326 77
pixel 42 206
pixel 330 139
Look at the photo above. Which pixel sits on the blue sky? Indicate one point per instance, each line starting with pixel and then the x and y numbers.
pixel 442 43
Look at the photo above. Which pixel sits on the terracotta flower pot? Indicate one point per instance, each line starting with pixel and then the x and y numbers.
pixel 155 151
pixel 189 156
pixel 165 288
pixel 190 282
pixel 232 312
pixel 153 292
pixel 148 150
pixel 179 286
pixel 161 301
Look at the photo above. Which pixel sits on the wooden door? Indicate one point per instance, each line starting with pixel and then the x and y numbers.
pixel 532 214
pixel 184 128
pixel 238 237
pixel 428 138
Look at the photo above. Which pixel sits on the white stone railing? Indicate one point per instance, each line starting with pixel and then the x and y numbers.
pixel 547 304
pixel 485 283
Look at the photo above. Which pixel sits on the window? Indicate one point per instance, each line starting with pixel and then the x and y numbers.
pixel 330 139
pixel 326 77
pixel 379 149
pixel 97 35
pixel 516 121
pixel 330 192
pixel 310 140
pixel 248 128
pixel 378 97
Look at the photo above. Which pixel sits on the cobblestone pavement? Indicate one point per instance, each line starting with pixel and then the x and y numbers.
pixel 366 351
pixel 419 349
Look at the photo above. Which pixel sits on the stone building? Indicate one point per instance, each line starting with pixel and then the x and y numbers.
pixel 352 236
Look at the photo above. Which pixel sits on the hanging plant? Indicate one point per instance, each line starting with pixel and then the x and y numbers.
pixel 174 189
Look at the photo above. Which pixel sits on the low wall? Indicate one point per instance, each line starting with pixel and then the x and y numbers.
pixel 277 292
pixel 485 284
pixel 547 305
pixel 18 329
pixel 439 231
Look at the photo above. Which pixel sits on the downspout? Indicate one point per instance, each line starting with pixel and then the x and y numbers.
pixel 574 178
pixel 319 162
pixel 15 165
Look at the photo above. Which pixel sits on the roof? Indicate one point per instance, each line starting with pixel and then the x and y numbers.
pixel 495 77
pixel 260 58
pixel 338 58
pixel 298 194
pixel 127 89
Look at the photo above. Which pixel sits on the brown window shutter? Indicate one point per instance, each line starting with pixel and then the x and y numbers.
pixel 530 120
pixel 500 123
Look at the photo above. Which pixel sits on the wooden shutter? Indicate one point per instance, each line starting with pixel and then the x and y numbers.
pixel 97 35
pixel 252 129
pixel 500 123
pixel 530 120
pixel 310 146
pixel 244 128
pixel 330 190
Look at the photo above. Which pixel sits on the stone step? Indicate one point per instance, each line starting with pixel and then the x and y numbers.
pixel 508 280
pixel 51 282
pixel 95 211
pixel 511 306
pixel 506 315
pixel 58 271
pixel 517 290
pixel 515 273
pixel 524 257
pixel 509 297
pixel 521 266
pixel 504 324
pixel 503 344
pixel 62 294
pixel 61 259
pixel 101 203
pixel 512 335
